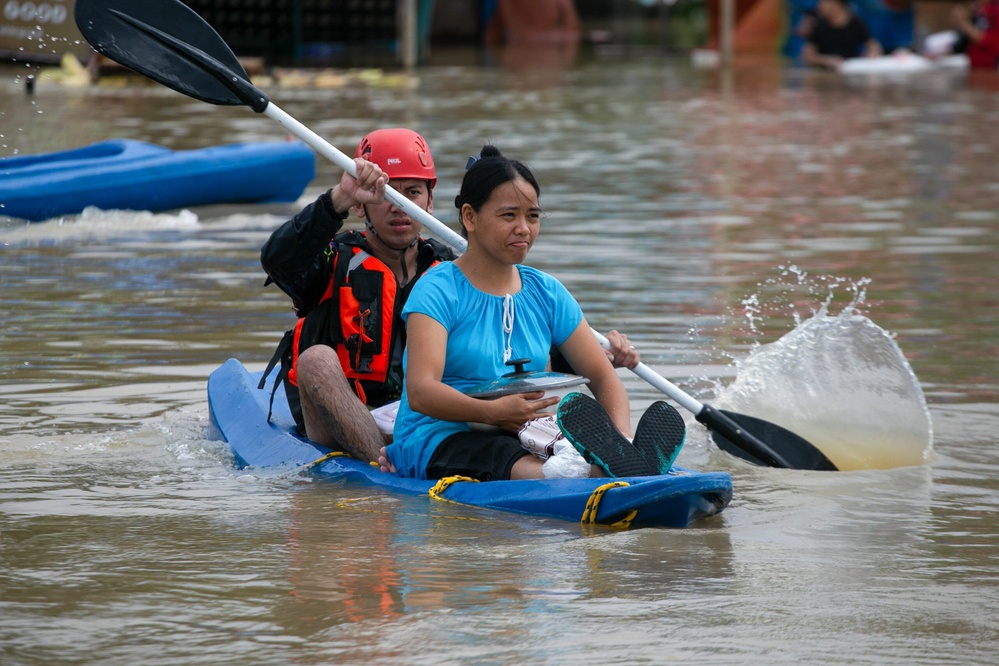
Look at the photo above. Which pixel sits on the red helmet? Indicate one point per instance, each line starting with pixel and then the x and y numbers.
pixel 400 152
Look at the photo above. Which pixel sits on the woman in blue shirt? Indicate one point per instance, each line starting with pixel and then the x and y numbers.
pixel 465 319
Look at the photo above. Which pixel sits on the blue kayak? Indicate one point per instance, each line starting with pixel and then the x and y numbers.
pixel 238 411
pixel 134 175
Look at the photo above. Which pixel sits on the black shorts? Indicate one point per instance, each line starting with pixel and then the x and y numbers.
pixel 486 456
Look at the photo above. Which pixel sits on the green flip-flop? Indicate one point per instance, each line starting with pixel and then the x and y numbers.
pixel 588 426
pixel 660 435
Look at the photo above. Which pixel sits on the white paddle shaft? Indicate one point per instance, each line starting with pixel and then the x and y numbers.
pixel 346 163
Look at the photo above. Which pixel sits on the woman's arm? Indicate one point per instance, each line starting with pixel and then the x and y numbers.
pixel 426 341
pixel 587 357
pixel 622 354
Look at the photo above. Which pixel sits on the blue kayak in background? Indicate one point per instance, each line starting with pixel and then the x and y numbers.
pixel 123 174
pixel 238 413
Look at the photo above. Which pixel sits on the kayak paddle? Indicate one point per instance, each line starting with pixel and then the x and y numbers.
pixel 168 42
pixel 171 44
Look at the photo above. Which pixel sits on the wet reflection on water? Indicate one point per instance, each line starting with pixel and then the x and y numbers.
pixel 677 201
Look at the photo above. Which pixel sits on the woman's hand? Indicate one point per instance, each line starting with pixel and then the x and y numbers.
pixel 511 412
pixel 622 354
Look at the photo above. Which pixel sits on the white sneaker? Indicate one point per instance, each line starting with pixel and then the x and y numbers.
pixel 539 436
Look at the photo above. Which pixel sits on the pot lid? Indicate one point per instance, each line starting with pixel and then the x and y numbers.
pixel 521 381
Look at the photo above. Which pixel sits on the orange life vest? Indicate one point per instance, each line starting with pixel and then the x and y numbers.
pixel 359 317
pixel 361 331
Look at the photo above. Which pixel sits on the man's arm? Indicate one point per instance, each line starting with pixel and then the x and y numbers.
pixel 298 257
pixel 295 256
pixel 811 56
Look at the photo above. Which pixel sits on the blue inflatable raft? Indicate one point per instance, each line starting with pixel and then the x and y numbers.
pixel 134 175
pixel 238 411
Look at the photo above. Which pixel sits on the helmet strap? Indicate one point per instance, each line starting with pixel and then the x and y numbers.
pixel 367 224
pixel 402 264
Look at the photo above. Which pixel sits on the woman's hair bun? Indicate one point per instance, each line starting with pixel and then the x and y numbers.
pixel 490 151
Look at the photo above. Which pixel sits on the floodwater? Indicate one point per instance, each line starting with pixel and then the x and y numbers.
pixel 702 212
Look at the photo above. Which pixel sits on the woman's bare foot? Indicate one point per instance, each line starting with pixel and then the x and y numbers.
pixel 384 463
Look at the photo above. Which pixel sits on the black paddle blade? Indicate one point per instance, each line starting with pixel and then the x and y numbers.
pixel 763 443
pixel 168 42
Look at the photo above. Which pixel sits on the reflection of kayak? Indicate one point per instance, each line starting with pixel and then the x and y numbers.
pixel 902 63
pixel 134 175
pixel 238 412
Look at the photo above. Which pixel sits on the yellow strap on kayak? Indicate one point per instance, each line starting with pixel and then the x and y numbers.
pixel 590 512
pixel 331 454
pixel 445 483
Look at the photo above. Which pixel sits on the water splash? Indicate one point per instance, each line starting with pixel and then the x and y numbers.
pixel 841 382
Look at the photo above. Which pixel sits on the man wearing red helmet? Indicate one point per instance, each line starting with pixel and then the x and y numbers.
pixel 345 353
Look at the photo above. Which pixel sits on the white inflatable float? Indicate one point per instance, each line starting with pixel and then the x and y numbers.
pixel 902 63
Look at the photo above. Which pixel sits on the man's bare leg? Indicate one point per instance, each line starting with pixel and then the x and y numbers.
pixel 334 416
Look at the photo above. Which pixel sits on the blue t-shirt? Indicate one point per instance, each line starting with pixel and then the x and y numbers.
pixel 544 314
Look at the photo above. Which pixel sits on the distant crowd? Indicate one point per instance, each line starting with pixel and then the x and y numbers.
pixel 827 32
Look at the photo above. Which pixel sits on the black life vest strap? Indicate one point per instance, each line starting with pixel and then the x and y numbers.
pixel 283 347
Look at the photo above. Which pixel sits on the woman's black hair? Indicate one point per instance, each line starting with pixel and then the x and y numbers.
pixel 487 173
